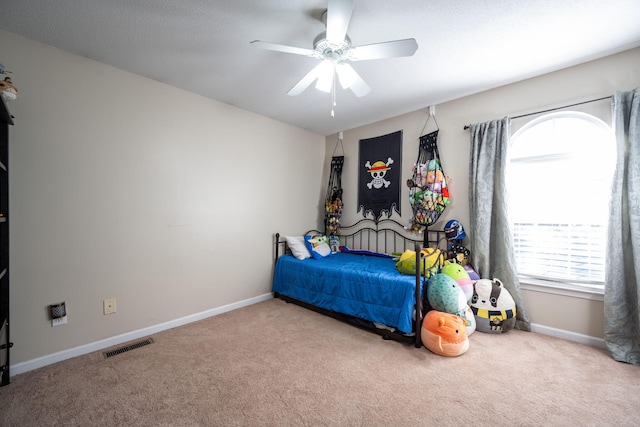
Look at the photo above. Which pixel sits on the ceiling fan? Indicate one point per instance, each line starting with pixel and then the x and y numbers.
pixel 333 48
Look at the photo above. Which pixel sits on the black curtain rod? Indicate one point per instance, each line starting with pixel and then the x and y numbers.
pixel 554 109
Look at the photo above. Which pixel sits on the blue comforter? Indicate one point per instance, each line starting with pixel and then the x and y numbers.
pixel 367 287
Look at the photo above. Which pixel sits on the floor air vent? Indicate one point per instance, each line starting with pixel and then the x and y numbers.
pixel 111 353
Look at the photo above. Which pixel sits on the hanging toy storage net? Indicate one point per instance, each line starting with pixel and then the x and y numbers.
pixel 333 201
pixel 428 192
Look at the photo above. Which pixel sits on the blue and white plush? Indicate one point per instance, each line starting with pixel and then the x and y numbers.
pixel 444 294
pixel 318 246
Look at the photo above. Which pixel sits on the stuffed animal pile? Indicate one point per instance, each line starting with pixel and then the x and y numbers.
pixel 461 303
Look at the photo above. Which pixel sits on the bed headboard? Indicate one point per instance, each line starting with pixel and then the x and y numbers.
pixel 387 236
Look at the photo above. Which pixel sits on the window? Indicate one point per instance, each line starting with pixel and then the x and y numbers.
pixel 559 173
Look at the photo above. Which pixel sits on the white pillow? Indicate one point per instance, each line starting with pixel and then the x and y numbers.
pixel 298 247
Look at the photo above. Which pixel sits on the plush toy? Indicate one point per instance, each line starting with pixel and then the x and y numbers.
pixel 455 234
pixel 318 246
pixel 444 334
pixel 458 273
pixel 7 90
pixel 414 226
pixel 493 307
pixel 469 321
pixel 444 294
pixel 416 198
pixel 435 180
pixel 434 259
pixel 420 172
pixel 471 272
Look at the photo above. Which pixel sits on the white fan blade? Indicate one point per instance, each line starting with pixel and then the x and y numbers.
pixel 406 47
pixel 349 78
pixel 282 48
pixel 338 17
pixel 306 81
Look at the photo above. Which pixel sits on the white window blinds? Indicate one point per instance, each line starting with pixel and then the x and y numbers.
pixel 559 178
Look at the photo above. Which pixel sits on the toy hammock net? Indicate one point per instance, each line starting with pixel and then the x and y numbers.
pixel 333 201
pixel 428 192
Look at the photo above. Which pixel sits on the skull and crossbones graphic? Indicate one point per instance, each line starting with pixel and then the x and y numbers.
pixel 378 170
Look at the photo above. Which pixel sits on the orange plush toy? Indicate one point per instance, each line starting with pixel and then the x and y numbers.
pixel 444 334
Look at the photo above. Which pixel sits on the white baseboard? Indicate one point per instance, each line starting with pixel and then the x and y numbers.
pixel 569 336
pixel 39 362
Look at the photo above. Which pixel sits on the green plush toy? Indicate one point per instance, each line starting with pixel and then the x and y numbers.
pixel 458 273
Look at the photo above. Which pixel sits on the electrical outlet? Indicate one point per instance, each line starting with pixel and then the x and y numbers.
pixel 58 314
pixel 109 306
pixel 59 321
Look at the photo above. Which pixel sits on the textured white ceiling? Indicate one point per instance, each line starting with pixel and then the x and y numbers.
pixel 465 46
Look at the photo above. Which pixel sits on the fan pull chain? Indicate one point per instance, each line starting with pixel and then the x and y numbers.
pixel 333 96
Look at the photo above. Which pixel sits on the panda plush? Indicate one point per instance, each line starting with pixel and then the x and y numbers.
pixel 493 307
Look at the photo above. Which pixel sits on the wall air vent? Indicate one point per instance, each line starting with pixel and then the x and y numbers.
pixel 111 353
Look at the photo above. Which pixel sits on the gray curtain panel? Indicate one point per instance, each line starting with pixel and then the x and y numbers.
pixel 490 233
pixel 621 292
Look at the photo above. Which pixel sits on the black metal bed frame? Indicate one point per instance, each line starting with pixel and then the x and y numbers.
pixel 387 236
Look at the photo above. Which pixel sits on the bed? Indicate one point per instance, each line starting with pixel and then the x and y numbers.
pixel 360 283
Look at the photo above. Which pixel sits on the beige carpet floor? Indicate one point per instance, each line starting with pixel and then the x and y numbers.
pixel 277 364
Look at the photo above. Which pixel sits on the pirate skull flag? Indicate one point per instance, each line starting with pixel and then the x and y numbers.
pixel 379 175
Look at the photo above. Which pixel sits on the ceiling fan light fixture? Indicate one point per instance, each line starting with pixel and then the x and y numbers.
pixel 326 72
pixel 334 49
pixel 346 75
